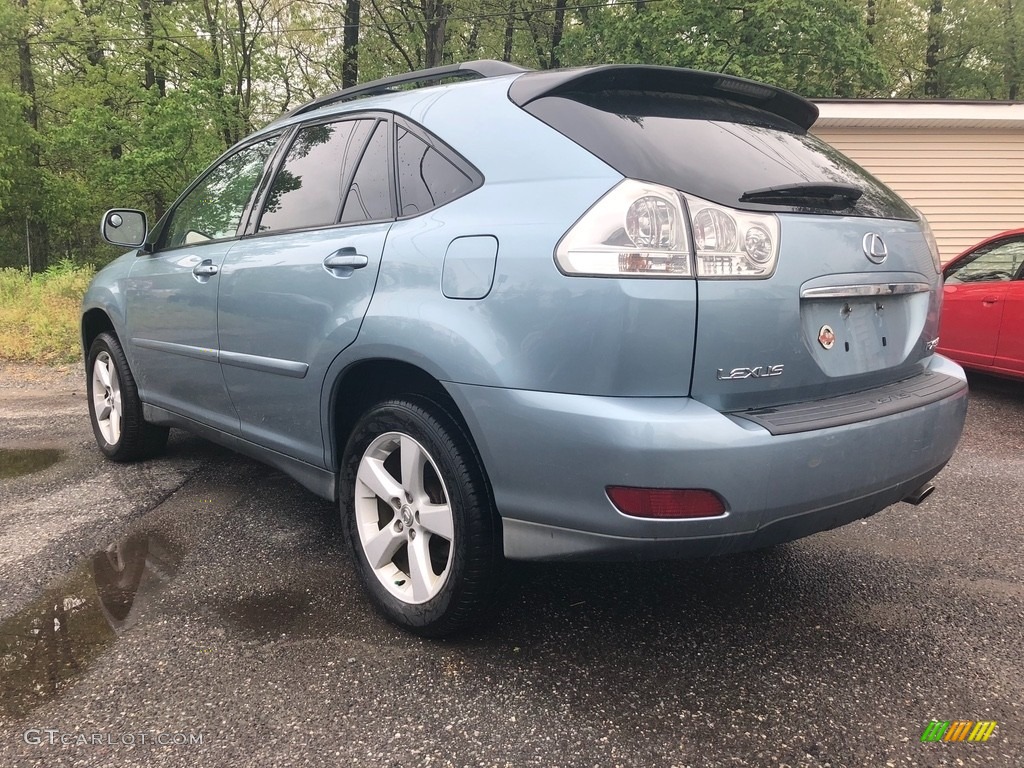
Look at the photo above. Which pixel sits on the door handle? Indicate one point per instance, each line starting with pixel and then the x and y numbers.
pixel 204 270
pixel 346 257
pixel 990 300
pixel 344 261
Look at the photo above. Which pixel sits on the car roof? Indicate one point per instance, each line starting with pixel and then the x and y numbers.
pixel 531 85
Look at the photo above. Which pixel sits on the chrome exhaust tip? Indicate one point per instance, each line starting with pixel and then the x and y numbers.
pixel 922 493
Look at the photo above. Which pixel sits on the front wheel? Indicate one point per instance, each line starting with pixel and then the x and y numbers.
pixel 114 405
pixel 418 517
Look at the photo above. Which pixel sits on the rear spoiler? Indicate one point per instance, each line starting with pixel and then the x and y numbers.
pixel 667 80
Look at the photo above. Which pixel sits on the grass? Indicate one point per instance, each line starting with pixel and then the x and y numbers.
pixel 39 315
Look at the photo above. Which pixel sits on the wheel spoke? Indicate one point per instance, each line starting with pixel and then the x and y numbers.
pixel 381 548
pixel 103 412
pixel 103 371
pixel 420 572
pixel 413 461
pixel 115 423
pixel 437 519
pixel 374 476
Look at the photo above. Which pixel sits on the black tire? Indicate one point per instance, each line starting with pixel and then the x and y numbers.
pixel 464 570
pixel 132 438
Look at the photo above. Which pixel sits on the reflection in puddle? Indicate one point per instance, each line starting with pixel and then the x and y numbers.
pixel 52 641
pixel 21 461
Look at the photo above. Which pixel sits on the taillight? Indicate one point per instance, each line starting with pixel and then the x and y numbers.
pixel 929 237
pixel 640 229
pixel 731 243
pixel 636 230
pixel 665 503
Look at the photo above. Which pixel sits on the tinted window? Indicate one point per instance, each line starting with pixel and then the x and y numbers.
pixel 426 178
pixel 369 198
pixel 308 190
pixel 992 263
pixel 711 148
pixel 214 208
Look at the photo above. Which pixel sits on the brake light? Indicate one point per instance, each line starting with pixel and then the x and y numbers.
pixel 665 503
pixel 732 243
pixel 636 230
pixel 640 229
pixel 929 237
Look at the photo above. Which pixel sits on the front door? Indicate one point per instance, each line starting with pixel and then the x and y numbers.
pixel 975 294
pixel 172 293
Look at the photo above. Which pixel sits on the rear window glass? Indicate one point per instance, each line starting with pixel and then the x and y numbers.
pixel 711 148
pixel 369 197
pixel 426 178
pixel 307 191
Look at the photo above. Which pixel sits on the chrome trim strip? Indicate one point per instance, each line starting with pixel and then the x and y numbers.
pixel 290 368
pixel 868 289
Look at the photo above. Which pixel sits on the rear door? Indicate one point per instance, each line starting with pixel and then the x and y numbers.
pixel 293 295
pixel 1010 350
pixel 1009 355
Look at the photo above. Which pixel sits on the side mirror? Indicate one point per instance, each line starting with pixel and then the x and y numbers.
pixel 124 227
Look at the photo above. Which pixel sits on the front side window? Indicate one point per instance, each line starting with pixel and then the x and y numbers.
pixel 997 262
pixel 309 188
pixel 214 207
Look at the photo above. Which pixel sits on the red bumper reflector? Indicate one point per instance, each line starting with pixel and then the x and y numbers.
pixel 665 503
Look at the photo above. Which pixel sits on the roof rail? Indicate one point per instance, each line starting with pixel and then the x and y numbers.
pixel 467 70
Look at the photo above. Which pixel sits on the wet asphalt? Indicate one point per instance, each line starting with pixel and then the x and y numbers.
pixel 200 610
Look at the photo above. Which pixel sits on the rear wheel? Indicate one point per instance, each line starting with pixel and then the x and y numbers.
pixel 418 517
pixel 114 405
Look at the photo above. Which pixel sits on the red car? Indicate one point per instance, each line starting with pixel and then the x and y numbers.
pixel 982 325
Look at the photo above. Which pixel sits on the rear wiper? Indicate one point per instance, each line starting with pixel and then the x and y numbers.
pixel 810 194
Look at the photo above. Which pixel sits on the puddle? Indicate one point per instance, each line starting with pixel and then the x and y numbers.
pixel 51 642
pixel 22 461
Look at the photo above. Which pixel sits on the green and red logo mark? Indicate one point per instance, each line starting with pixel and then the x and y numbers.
pixel 958 730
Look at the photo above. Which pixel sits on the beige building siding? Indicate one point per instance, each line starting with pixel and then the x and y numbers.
pixel 963 165
pixel 970 185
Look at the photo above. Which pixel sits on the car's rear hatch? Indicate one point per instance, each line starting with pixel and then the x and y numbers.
pixel 851 299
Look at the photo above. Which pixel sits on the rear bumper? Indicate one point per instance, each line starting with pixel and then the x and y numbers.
pixel 549 457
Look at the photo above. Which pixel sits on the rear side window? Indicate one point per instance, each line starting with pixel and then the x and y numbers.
pixel 429 173
pixel 309 188
pixel 369 197
pixel 711 148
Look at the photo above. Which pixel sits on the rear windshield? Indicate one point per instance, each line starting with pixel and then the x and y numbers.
pixel 712 148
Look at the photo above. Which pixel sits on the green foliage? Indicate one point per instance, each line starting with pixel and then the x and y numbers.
pixel 39 315
pixel 816 48
pixel 127 102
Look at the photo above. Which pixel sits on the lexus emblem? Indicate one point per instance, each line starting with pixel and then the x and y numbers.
pixel 874 247
pixel 827 337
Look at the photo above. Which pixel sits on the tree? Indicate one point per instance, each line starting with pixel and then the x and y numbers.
pixel 816 48
pixel 105 104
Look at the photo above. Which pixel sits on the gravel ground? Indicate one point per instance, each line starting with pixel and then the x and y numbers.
pixel 235 625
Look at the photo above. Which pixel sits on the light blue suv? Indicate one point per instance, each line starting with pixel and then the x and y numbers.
pixel 616 312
